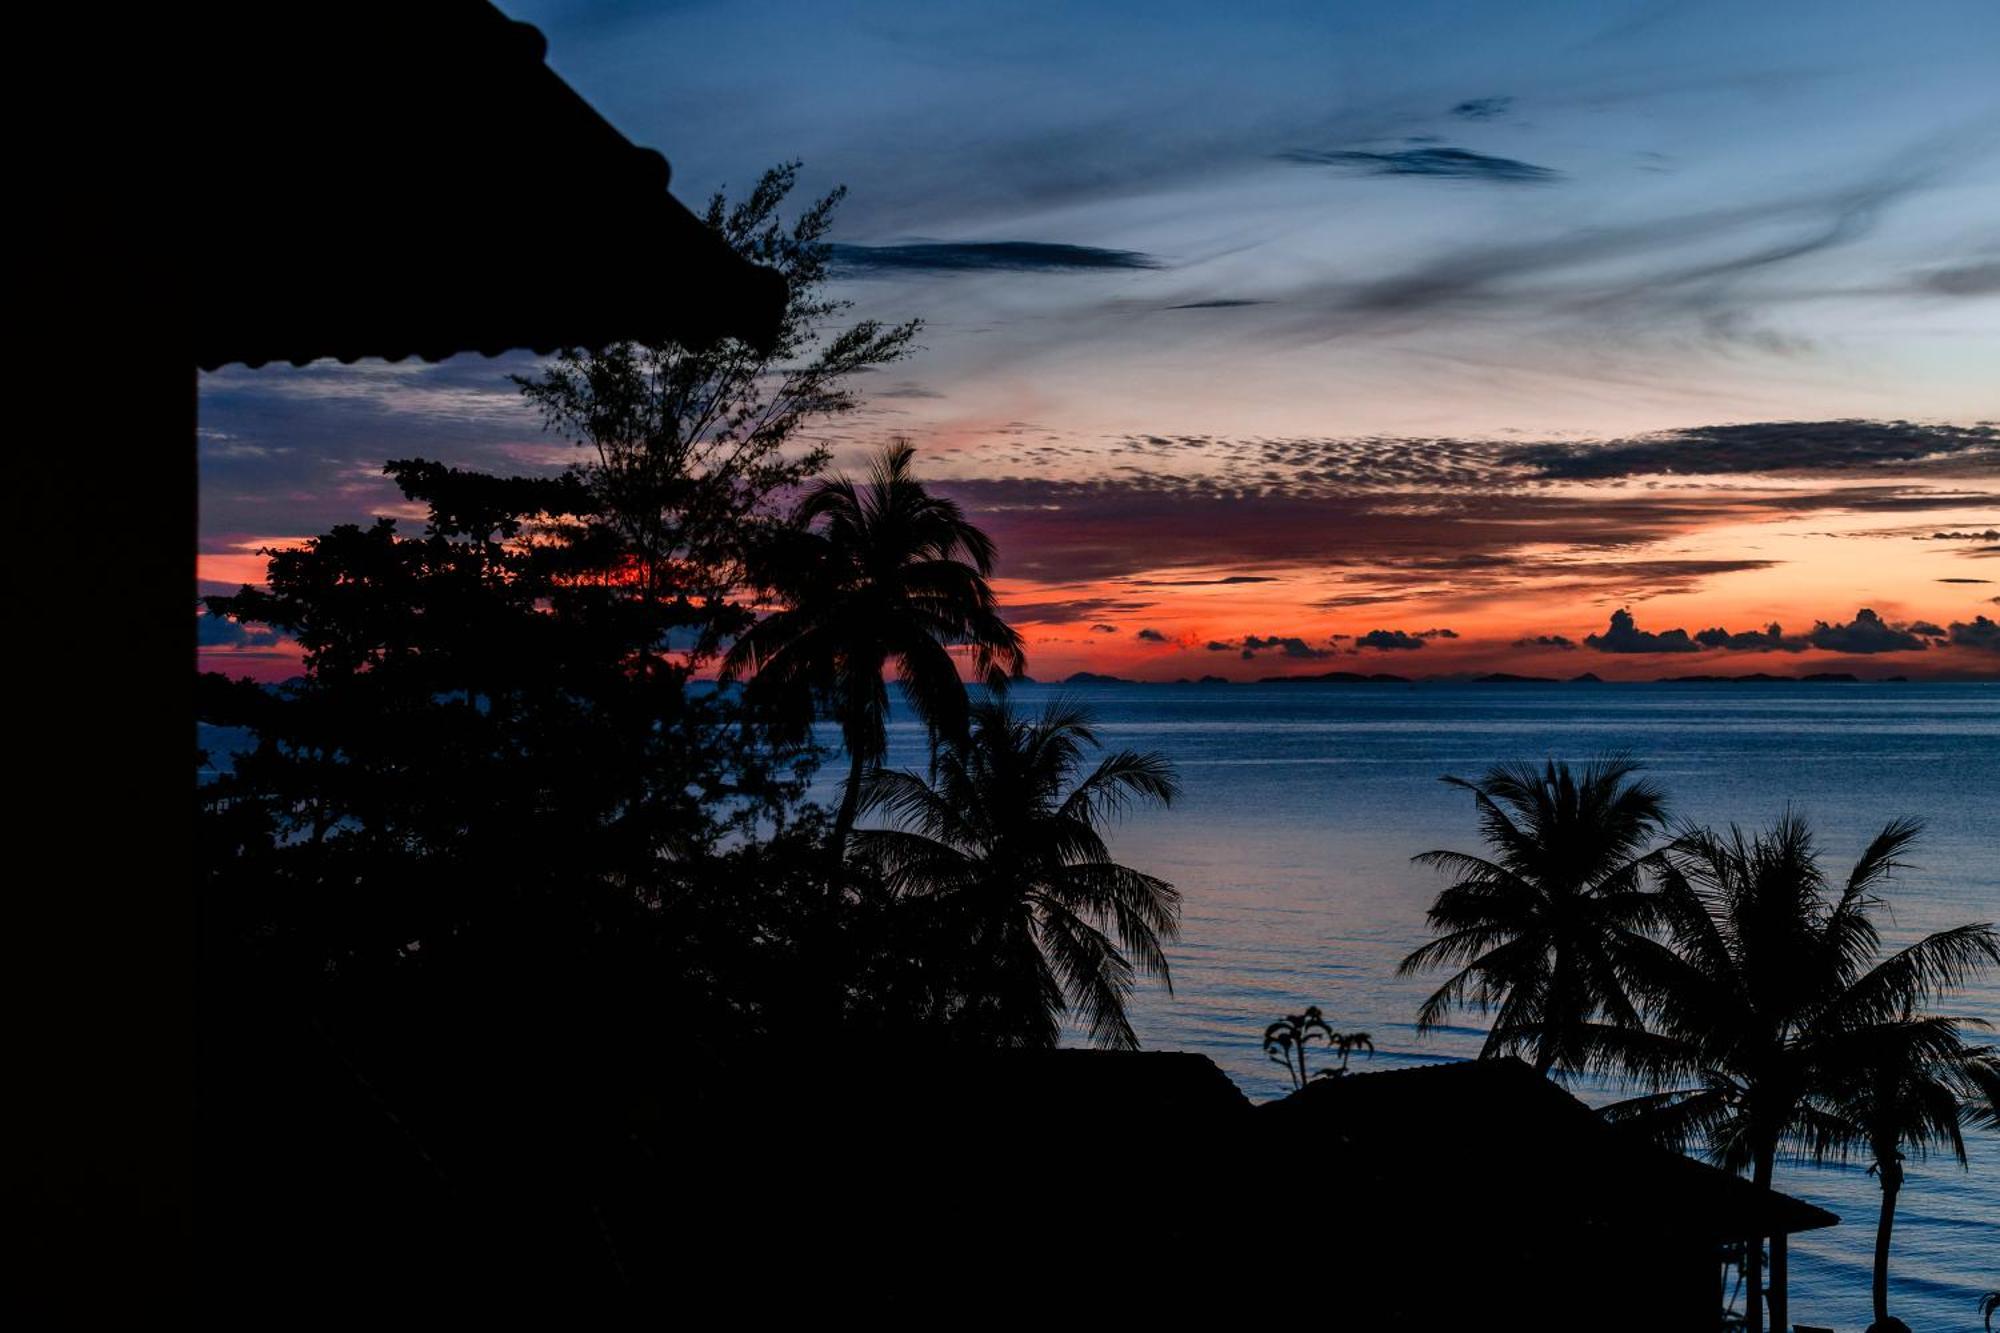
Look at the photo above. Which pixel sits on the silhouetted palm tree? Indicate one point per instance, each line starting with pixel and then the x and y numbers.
pixel 1004 843
pixel 1346 1043
pixel 1541 926
pixel 1771 988
pixel 1914 1085
pixel 875 574
pixel 1285 1042
pixel 1982 1108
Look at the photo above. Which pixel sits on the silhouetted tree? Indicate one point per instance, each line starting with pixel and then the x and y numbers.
pixel 875 574
pixel 688 445
pixel 1001 853
pixel 472 768
pixel 1911 1085
pixel 1982 1107
pixel 500 719
pixel 1345 1044
pixel 1771 988
pixel 1540 927
pixel 1285 1042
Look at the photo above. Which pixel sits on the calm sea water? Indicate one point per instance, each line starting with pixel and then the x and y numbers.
pixel 1304 805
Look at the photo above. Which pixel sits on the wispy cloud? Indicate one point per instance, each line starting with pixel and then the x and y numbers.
pixel 1776 448
pixel 1483 108
pixel 1447 163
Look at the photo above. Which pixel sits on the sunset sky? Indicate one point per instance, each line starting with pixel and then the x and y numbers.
pixel 1643 339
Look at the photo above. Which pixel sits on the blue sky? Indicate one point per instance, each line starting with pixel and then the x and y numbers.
pixel 1780 209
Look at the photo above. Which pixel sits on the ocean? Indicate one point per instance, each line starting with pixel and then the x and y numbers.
pixel 1305 803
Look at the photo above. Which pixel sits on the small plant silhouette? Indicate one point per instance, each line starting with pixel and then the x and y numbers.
pixel 1989 1305
pixel 1285 1042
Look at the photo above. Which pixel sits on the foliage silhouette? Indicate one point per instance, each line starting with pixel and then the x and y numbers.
pixel 468 876
pixel 501 718
pixel 1285 1042
pixel 1541 927
pixel 1000 857
pixel 873 574
pixel 1770 987
pixel 472 768
pixel 1982 1108
pixel 689 445
pixel 1914 1082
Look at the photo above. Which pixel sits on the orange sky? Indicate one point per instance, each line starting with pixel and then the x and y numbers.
pixel 1441 561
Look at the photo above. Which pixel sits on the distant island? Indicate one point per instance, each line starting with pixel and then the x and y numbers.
pixel 1337 678
pixel 1092 678
pixel 1764 678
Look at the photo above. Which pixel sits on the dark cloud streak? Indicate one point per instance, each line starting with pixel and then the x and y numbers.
pixel 1448 163
pixel 985 257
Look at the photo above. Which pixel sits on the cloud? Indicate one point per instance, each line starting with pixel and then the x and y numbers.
pixel 1081 608
pixel 1359 599
pixel 1866 633
pixel 1981 635
pixel 1964 280
pixel 1222 304
pixel 1965 580
pixel 1152 636
pixel 1482 108
pixel 1624 636
pixel 1560 642
pixel 1391 640
pixel 1147 524
pixel 1990 535
pixel 1437 633
pixel 1284 645
pixel 1634 276
pixel 985 257
pixel 1453 163
pixel 1848 450
pixel 1767 640
pixel 1771 447
pixel 1103 629
pixel 1203 583
pixel 214 631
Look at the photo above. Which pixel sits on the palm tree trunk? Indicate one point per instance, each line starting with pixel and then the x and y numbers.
pixel 850 804
pixel 1553 1018
pixel 1891 1172
pixel 1753 1278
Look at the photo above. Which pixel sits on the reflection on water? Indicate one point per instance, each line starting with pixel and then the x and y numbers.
pixel 1305 803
